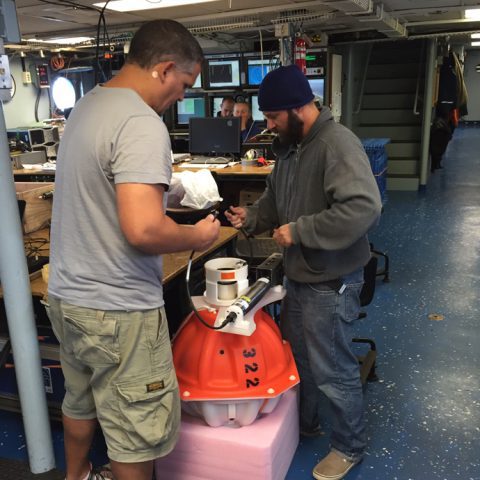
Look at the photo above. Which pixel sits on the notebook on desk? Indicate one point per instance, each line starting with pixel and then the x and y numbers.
pixel 202 159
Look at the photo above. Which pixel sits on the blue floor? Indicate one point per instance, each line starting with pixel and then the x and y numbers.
pixel 424 412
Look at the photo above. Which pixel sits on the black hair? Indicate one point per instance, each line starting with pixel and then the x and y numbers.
pixel 163 40
pixel 228 98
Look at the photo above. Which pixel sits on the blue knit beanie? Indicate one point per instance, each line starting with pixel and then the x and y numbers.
pixel 283 89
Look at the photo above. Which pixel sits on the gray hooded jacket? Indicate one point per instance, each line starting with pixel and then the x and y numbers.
pixel 325 190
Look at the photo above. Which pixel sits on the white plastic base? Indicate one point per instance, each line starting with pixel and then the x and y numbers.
pixel 244 325
pixel 231 413
pixel 260 451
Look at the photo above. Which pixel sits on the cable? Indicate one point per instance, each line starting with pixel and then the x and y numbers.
pixel 37 101
pixel 197 314
pixel 101 19
pixel 247 237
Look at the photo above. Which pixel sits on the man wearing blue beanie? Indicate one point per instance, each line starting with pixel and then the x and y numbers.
pixel 321 199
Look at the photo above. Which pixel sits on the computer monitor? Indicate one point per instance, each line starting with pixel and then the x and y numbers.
pixel 257 69
pixel 256 113
pixel 223 73
pixel 318 88
pixel 190 107
pixel 215 136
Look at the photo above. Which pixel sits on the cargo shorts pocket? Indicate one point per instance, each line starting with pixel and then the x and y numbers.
pixel 149 409
pixel 91 335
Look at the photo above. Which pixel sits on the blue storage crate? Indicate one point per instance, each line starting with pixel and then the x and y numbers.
pixel 377 155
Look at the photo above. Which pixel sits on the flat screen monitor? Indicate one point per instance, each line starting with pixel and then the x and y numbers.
pixel 318 88
pixel 190 107
pixel 223 73
pixel 215 136
pixel 257 69
pixel 256 113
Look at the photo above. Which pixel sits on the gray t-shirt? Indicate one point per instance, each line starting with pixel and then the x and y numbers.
pixel 112 136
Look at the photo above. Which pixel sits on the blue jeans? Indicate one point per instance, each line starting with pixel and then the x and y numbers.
pixel 316 320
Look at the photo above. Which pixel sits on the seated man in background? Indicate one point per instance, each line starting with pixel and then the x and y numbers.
pixel 226 107
pixel 248 127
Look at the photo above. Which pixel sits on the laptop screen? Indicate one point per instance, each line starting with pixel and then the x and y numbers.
pixel 215 136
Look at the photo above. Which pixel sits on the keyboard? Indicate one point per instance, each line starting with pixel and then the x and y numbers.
pixel 199 159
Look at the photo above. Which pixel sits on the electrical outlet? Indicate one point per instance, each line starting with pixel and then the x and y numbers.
pixel 26 77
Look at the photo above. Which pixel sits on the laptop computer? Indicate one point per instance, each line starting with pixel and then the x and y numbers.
pixel 214 140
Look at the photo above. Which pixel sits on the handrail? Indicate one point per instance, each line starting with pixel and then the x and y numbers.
pixel 415 104
pixel 364 79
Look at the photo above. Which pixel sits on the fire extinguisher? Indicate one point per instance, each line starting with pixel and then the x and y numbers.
pixel 301 54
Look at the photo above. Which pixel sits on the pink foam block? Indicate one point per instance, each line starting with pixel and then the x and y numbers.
pixel 260 451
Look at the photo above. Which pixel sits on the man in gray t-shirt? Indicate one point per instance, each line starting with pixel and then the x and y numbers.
pixel 109 230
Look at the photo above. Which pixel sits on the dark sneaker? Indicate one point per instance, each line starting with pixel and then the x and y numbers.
pixel 101 473
pixel 96 476
pixel 333 467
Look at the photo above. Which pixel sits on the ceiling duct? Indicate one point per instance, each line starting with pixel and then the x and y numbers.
pixel 301 16
pixel 232 23
pixel 350 7
pixel 391 27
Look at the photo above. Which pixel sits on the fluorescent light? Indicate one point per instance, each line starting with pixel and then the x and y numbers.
pixel 134 5
pixel 475 35
pixel 475 44
pixel 472 14
pixel 62 41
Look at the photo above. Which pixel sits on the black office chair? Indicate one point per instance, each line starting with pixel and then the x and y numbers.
pixel 368 362
pixel 385 271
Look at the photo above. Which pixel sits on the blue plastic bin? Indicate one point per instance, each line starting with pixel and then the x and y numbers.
pixel 377 154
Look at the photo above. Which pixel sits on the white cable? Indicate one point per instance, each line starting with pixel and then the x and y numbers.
pixel 261 46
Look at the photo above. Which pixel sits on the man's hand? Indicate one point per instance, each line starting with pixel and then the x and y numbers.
pixel 206 232
pixel 283 236
pixel 236 216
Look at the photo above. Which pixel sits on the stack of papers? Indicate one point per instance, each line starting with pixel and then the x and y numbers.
pixel 52 166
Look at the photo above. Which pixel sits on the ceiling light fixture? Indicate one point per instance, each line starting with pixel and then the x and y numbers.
pixel 472 14
pixel 61 41
pixel 135 5
pixel 475 35
pixel 475 44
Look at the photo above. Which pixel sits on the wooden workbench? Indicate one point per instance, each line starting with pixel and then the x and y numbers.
pixel 173 263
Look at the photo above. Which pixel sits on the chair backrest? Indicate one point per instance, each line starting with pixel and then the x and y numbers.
pixel 369 279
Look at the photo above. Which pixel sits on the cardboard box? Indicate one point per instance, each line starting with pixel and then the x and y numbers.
pixel 38 210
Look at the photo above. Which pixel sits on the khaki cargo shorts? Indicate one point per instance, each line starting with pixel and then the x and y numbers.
pixel 118 368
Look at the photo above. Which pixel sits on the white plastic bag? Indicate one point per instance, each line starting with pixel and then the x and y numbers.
pixel 176 192
pixel 201 190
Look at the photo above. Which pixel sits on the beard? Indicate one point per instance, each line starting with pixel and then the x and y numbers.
pixel 294 132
